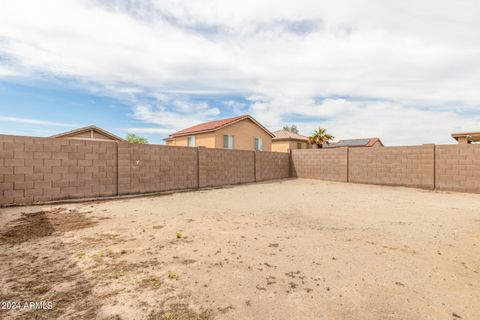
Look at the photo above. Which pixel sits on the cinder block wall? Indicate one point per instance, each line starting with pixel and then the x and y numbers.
pixel 324 164
pixel 222 167
pixel 154 168
pixel 271 165
pixel 457 167
pixel 44 169
pixel 395 166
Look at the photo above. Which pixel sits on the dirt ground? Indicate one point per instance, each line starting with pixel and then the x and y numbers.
pixel 291 249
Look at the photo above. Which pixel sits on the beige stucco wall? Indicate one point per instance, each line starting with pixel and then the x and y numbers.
pixel 201 140
pixel 280 146
pixel 206 140
pixel 244 133
pixel 287 145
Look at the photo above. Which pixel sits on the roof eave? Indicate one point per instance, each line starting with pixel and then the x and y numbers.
pixel 86 129
pixel 289 139
pixel 190 133
pixel 223 126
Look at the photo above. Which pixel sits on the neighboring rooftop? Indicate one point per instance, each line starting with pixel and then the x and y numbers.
pixel 364 142
pixel 287 135
pixel 466 137
pixel 215 125
pixel 91 132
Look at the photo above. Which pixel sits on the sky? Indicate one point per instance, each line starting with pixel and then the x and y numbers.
pixel 405 71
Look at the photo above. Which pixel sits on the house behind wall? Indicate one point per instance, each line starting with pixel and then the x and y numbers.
pixel 244 130
pixel 92 133
pixel 284 141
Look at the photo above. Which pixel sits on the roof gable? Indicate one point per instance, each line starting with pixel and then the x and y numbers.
pixel 216 125
pixel 73 133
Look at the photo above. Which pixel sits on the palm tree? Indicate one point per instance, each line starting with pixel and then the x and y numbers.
pixel 320 137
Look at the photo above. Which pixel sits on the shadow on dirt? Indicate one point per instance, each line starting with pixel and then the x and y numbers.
pixel 51 274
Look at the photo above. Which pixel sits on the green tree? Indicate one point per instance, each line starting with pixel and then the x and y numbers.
pixel 133 138
pixel 320 137
pixel 293 128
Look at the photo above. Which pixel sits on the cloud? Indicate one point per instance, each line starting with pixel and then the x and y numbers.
pixel 156 130
pixel 36 122
pixel 350 119
pixel 173 114
pixel 407 71
pixel 7 72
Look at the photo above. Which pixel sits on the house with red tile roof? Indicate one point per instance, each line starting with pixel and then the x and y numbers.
pixel 284 141
pixel 241 133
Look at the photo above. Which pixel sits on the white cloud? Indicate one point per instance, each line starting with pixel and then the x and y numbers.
pixel 408 71
pixel 7 72
pixel 162 131
pixel 172 113
pixel 35 122
pixel 386 119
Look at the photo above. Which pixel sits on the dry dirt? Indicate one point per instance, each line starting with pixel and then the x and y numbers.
pixel 294 249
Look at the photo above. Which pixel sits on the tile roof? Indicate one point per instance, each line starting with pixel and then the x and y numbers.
pixel 287 135
pixel 365 142
pixel 215 125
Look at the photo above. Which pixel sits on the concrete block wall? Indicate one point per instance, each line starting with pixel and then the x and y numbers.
pixel 324 164
pixel 271 165
pixel 43 169
pixel 223 167
pixel 155 168
pixel 395 166
pixel 457 168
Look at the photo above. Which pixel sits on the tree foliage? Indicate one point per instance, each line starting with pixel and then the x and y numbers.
pixel 320 137
pixel 133 138
pixel 293 128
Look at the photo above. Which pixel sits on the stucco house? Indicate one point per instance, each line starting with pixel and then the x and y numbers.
pixel 284 141
pixel 354 143
pixel 467 137
pixel 92 132
pixel 241 133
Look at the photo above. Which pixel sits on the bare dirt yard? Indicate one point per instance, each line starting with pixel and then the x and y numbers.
pixel 291 249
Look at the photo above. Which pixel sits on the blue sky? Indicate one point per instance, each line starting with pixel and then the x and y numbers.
pixel 405 71
pixel 44 109
pixel 48 108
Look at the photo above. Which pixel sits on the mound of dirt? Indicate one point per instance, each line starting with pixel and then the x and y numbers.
pixel 42 224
